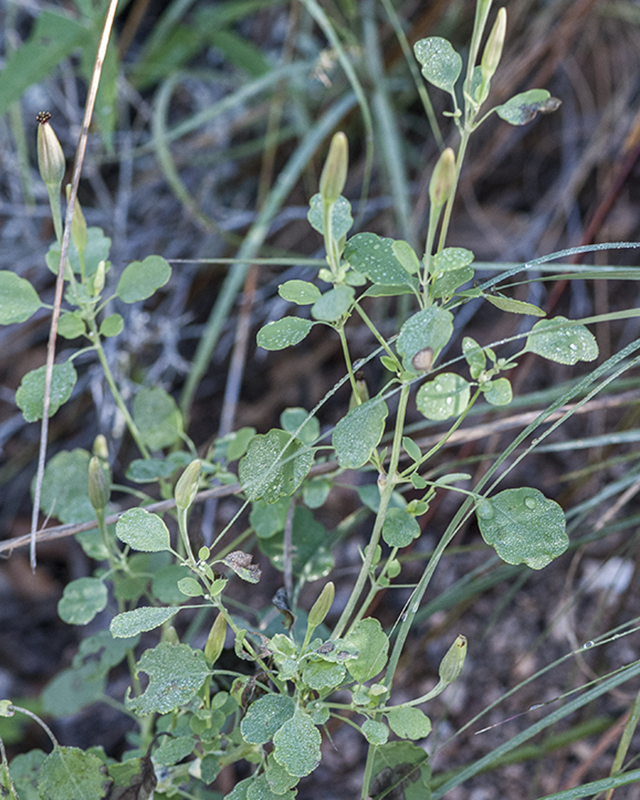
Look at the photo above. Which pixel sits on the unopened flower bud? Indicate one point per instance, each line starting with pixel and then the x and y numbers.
pixel 215 639
pixel 99 278
pixel 100 447
pixel 493 48
pixel 322 606
pixel 334 174
pixel 361 394
pixel 187 486
pixel 443 180
pixel 451 665
pixel 78 224
pixel 51 161
pixel 99 484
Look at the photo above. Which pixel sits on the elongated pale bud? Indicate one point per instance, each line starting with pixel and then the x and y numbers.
pixel 215 640
pixel 493 48
pixel 98 278
pixel 51 161
pixel 100 447
pixel 451 665
pixel 78 224
pixel 99 484
pixel 443 180
pixel 322 606
pixel 187 486
pixel 334 174
pixel 361 394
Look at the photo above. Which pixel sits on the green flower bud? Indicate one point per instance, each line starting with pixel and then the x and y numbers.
pixel 451 665
pixel 215 640
pixel 187 486
pixel 321 607
pixel 443 180
pixel 78 224
pixel 100 447
pixel 51 160
pixel 99 278
pixel 493 48
pixel 334 174
pixel 362 392
pixel 99 484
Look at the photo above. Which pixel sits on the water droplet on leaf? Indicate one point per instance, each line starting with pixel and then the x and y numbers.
pixel 530 502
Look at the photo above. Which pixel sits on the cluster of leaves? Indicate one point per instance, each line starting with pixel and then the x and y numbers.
pixel 273 718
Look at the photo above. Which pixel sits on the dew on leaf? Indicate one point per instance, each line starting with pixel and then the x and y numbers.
pixel 587 645
pixel 484 510
pixel 530 502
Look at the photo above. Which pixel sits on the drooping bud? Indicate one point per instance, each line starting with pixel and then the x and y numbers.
pixel 334 174
pixel 493 48
pixel 51 161
pixel 451 665
pixel 322 606
pixel 443 179
pixel 187 486
pixel 78 224
pixel 215 639
pixel 99 484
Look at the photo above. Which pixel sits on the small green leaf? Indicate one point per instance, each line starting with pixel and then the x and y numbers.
pixel 399 528
pixel 432 327
pixel 158 417
pixel 372 645
pixel 141 279
pixel 356 435
pixel 474 356
pixel 171 751
pixel 265 716
pixel 176 672
pixel 148 470
pixel 409 723
pixel 190 587
pixel 441 65
pixel 498 392
pixel 292 418
pixel 341 219
pixel 69 772
pixel 406 255
pixel 316 491
pixel 143 531
pixel 29 397
pixel 81 600
pixel 321 675
pixel 268 519
pixel 112 325
pixel 65 488
pixel 280 781
pixel 283 333
pixel 333 304
pixel 18 299
pixel 374 732
pixel 275 465
pixel 71 324
pixel 514 306
pixel 301 293
pixel 447 395
pixel 164 585
pixel 412 449
pixel 523 526
pixel 374 257
pixel 522 108
pixel 562 340
pixel 131 623
pixel 451 259
pixel 296 746
pixel 446 283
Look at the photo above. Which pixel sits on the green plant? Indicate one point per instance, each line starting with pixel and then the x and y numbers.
pixel 273 717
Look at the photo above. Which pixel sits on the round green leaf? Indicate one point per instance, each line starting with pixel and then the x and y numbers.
pixel 451 259
pixel 441 65
pixel 399 528
pixel 375 732
pixel 111 325
pixel 292 418
pixel 359 432
pixel 131 623
pixel 65 488
pixel 372 645
pixel 265 717
pixel 81 600
pixel 71 325
pixel 141 279
pixel 445 396
pixel 474 356
pixel 320 675
pixel 164 585
pixel 562 340
pixel 29 397
pixel 143 531
pixel 69 772
pixel 275 465
pixel 301 293
pixel 523 526
pixel 432 327
pixel 341 219
pixel 190 587
pixel 374 257
pixel 409 723
pixel 18 299
pixel 173 750
pixel 333 304
pixel 280 781
pixel 522 108
pixel 297 745
pixel 283 333
pixel 498 392
pixel 158 417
